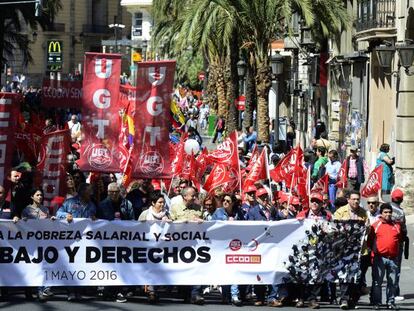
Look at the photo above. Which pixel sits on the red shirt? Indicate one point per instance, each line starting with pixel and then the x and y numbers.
pixel 384 238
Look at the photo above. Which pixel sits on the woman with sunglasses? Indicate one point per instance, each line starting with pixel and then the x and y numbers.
pixel 230 211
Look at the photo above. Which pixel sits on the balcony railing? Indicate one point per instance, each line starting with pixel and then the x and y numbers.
pixel 101 29
pixel 375 14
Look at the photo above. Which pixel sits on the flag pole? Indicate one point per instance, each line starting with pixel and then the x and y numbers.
pixel 268 174
pixel 169 189
pixel 238 164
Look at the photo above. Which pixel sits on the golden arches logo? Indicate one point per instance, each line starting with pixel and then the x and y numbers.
pixel 54 47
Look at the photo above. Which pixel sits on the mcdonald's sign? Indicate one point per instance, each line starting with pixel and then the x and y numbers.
pixel 54 53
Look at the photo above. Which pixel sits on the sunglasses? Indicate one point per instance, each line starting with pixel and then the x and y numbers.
pixel 375 202
pixel 226 200
pixel 316 201
pixel 251 194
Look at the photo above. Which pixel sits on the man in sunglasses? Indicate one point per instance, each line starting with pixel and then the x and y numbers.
pixel 250 201
pixel 372 207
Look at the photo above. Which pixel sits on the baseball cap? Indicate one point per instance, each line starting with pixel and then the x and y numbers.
pixel 295 201
pixel 283 197
pixel 316 196
pixel 250 188
pixel 397 194
pixel 260 192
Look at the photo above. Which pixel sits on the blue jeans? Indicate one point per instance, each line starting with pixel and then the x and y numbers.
pixel 277 291
pixel 380 267
pixel 233 290
pixel 332 195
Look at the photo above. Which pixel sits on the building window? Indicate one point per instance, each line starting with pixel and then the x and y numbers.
pixel 138 24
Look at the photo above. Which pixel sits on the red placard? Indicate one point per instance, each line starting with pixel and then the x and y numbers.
pixel 101 126
pixel 151 156
pixel 8 110
pixel 62 94
pixel 52 168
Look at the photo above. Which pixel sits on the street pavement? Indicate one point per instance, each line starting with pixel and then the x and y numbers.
pixel 17 301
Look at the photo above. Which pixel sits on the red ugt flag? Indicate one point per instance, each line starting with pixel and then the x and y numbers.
pixel 151 156
pixel 374 182
pixel 226 153
pixel 9 107
pixel 342 179
pixel 219 176
pixel 52 164
pixel 258 170
pixel 100 113
pixel 321 186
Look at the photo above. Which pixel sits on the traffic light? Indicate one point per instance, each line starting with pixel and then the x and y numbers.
pixel 38 7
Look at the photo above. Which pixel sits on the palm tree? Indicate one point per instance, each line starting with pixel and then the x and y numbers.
pixel 262 21
pixel 15 20
pixel 206 27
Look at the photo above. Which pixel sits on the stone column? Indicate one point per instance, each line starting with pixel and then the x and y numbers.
pixel 404 164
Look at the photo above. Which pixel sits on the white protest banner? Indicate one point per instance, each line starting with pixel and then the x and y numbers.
pixel 55 253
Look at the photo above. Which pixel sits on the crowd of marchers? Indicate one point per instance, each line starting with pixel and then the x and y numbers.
pixel 104 198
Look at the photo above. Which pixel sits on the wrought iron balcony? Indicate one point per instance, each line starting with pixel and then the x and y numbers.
pixel 374 14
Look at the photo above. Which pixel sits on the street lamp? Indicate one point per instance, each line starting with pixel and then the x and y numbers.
pixel 276 62
pixel 144 49
pixel 385 54
pixel 406 55
pixel 241 72
pixel 115 26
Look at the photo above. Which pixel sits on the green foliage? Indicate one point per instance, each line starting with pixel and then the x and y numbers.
pixel 188 67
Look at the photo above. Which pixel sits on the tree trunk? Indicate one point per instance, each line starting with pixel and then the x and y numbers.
pixel 211 96
pixel 250 93
pixel 232 86
pixel 221 90
pixel 263 84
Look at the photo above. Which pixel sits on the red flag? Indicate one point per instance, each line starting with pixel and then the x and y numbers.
pixel 302 187
pixel 253 159
pixel 289 167
pixel 26 144
pixel 52 164
pixel 258 170
pixel 151 157
pixel 219 176
pixel 342 179
pixel 178 162
pixel 100 121
pixel 9 107
pixel 321 186
pixel 227 153
pixel 374 182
